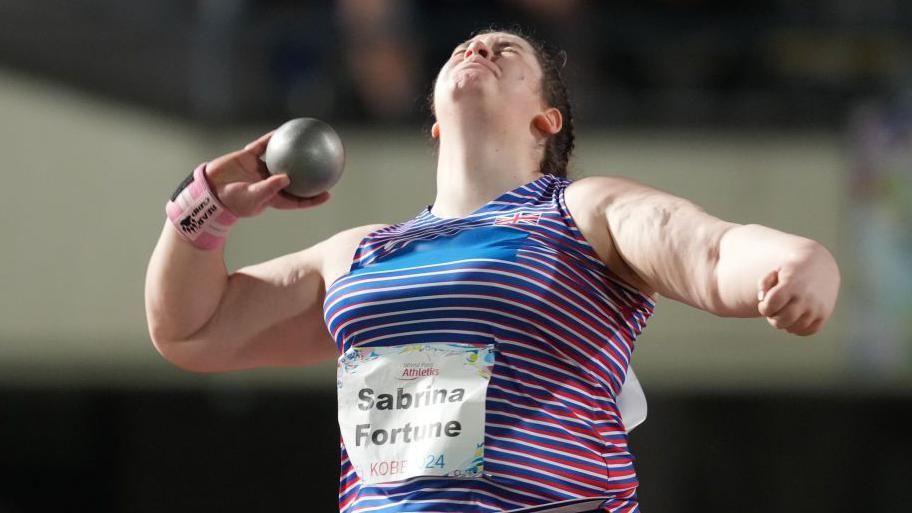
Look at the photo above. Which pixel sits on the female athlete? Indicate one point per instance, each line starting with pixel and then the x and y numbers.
pixel 482 345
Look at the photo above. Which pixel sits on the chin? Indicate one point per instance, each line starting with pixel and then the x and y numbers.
pixel 471 85
pixel 475 73
pixel 468 93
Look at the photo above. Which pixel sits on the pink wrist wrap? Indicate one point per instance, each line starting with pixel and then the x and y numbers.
pixel 197 214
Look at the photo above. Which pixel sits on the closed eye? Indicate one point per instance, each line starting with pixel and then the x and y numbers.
pixel 504 47
pixel 498 48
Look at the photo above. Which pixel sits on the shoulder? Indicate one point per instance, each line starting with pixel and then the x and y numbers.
pixel 589 201
pixel 348 239
pixel 337 251
pixel 604 188
pixel 594 198
pixel 355 234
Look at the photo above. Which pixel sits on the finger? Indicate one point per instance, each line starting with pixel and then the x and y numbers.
pixel 812 328
pixel 285 201
pixel 766 283
pixel 289 201
pixel 775 300
pixel 787 315
pixel 801 323
pixel 258 147
pixel 252 165
pixel 263 190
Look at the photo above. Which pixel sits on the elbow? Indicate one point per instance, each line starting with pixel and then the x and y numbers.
pixel 172 350
pixel 189 352
pixel 164 339
pixel 179 355
pixel 189 355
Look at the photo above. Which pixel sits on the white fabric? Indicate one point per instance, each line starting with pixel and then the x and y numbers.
pixel 632 401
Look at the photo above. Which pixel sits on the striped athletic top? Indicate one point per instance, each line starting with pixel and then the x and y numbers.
pixel 518 274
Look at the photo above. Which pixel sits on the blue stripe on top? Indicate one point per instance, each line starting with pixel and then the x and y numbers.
pixel 516 273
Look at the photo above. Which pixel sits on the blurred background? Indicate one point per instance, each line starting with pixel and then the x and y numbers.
pixel 792 114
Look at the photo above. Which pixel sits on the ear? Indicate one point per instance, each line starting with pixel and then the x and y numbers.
pixel 435 130
pixel 548 122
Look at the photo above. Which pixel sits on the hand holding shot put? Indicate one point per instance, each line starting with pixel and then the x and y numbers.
pixel 243 183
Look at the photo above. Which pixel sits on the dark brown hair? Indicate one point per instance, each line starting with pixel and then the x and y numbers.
pixel 554 90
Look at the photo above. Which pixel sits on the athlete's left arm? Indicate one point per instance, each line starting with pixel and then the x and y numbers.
pixel 731 270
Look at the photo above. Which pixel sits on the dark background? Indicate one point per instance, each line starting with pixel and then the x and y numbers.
pixel 784 63
pixel 277 450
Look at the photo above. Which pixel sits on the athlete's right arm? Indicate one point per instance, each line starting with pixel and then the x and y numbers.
pixel 202 318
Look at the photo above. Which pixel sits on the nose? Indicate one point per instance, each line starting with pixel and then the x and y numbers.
pixel 477 47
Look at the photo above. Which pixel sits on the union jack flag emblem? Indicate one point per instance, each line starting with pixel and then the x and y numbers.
pixel 518 218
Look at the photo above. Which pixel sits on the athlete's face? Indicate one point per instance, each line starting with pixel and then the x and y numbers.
pixel 494 70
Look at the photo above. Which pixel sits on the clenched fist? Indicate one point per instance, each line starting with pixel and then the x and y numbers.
pixel 800 295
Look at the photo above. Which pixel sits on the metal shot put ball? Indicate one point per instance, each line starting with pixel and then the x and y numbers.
pixel 310 152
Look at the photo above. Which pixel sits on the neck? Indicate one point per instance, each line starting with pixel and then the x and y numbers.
pixel 478 161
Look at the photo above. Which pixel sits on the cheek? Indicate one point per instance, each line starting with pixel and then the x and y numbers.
pixel 526 81
pixel 438 80
pixel 525 91
pixel 435 93
pixel 445 70
pixel 442 78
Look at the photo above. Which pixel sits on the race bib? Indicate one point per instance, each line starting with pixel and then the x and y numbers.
pixel 414 410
